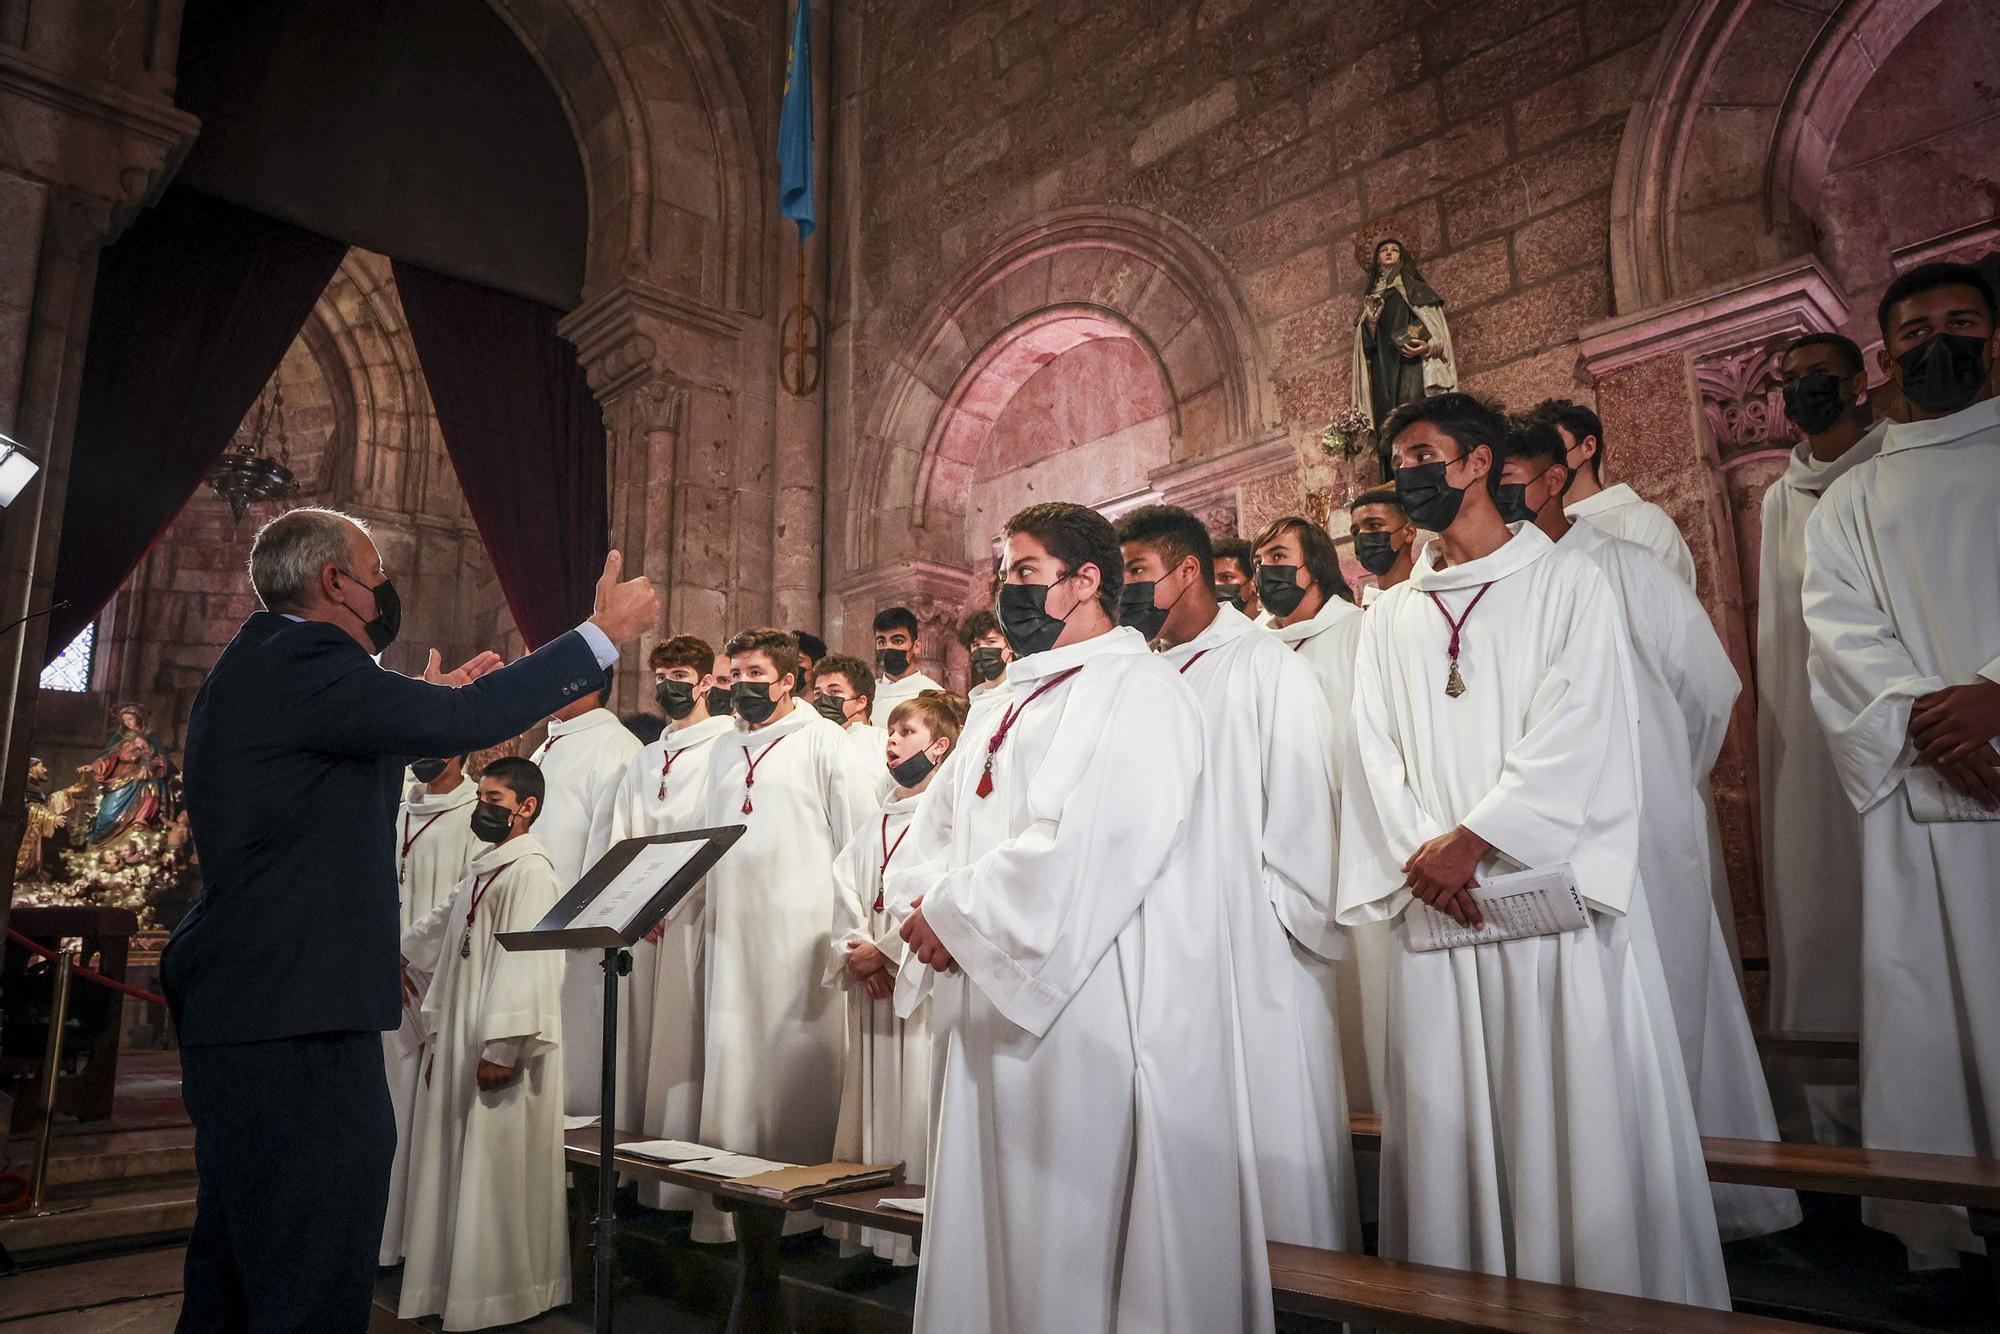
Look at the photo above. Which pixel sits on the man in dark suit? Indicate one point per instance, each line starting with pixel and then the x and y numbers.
pixel 286 972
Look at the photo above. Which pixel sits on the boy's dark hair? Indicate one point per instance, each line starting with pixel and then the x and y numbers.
pixel 1386 494
pixel 1532 437
pixel 522 777
pixel 1579 421
pixel 1928 278
pixel 1174 533
pixel 683 651
pixel 646 726
pixel 1849 351
pixel 981 622
pixel 1076 535
pixel 1239 550
pixel 891 619
pixel 860 677
pixel 811 646
pixel 779 647
pixel 1322 558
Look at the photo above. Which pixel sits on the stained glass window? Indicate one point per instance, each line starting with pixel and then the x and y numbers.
pixel 71 669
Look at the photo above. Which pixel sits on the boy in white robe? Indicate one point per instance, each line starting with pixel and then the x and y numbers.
pixel 1811 835
pixel 660 1015
pixel 1385 541
pixel 885 1093
pixel 1298 575
pixel 434 843
pixel 772 1049
pixel 1236 577
pixel 846 698
pixel 487 1225
pixel 1902 600
pixel 897 643
pixel 986 651
pixel 1268 777
pixel 586 750
pixel 1617 510
pixel 1686 688
pixel 1537 1120
pixel 1091 1169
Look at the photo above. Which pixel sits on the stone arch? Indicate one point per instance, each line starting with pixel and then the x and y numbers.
pixel 1070 277
pixel 676 186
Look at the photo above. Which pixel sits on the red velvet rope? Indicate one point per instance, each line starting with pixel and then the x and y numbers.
pixel 99 978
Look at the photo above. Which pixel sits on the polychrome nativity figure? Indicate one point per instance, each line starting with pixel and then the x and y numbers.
pixel 135 781
pixel 1402 345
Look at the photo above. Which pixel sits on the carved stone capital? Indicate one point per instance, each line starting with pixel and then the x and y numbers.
pixel 1794 298
pixel 623 332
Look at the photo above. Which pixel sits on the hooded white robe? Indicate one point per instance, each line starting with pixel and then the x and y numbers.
pixel 1686 687
pixel 773 1043
pixel 487 1223
pixel 1091 1168
pixel 1326 642
pixel 434 844
pixel 1537 1119
pixel 1270 827
pixel 660 1010
pixel 888 694
pixel 1811 835
pixel 581 763
pixel 1621 512
pixel 1902 598
pixel 885 1090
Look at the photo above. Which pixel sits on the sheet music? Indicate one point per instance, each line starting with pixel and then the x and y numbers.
pixel 633 888
pixel 410 1033
pixel 915 1206
pixel 578 1122
pixel 733 1165
pixel 1934 801
pixel 1525 903
pixel 670 1150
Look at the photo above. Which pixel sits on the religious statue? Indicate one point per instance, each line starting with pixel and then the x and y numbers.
pixel 134 777
pixel 1402 345
pixel 46 814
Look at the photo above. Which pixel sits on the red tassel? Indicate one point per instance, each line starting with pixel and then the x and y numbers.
pixel 746 805
pixel 985 788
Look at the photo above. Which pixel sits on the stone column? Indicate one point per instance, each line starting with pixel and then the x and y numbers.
pixel 1678 422
pixel 81 155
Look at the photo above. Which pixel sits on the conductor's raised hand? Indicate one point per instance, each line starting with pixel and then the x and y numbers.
pixel 626 608
pixel 466 674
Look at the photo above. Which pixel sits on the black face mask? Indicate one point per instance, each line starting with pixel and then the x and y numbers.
pixel 913 770
pixel 1429 500
pixel 753 700
pixel 892 661
pixel 491 822
pixel 675 698
pixel 988 664
pixel 1278 588
pixel 719 703
pixel 388 620
pixel 1511 498
pixel 1376 553
pixel 833 709
pixel 1025 620
pixel 1945 372
pixel 427 771
pixel 1229 594
pixel 1813 402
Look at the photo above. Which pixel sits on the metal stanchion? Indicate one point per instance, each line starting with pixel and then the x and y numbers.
pixel 51 1071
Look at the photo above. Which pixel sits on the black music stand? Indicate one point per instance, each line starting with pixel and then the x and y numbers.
pixel 611 909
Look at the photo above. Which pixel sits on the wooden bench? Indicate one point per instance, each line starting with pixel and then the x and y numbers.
pixel 1842 1047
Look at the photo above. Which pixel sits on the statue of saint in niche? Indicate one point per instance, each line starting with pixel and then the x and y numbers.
pixel 1402 345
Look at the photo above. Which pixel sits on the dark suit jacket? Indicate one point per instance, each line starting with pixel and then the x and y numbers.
pixel 295 757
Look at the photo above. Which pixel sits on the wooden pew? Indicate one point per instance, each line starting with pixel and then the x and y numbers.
pixel 1843 1047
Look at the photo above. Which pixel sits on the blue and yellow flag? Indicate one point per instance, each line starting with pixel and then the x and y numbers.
pixel 795 129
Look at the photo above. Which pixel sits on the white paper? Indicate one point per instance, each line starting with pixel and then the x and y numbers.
pixel 670 1150
pixel 915 1206
pixel 1934 801
pixel 730 1166
pixel 410 1033
pixel 578 1122
pixel 1525 903
pixel 633 888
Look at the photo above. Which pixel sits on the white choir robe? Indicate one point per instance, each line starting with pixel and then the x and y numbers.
pixel 888 694
pixel 1326 642
pixel 871 743
pixel 1270 826
pixel 1091 1166
pixel 1811 835
pixel 1537 1119
pixel 487 1222
pixel 1902 598
pixel 662 791
pixel 581 763
pixel 772 1048
pixel 1686 688
pixel 1622 512
pixel 885 1087
pixel 434 844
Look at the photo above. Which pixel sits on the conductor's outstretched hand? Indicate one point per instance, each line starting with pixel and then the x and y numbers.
pixel 465 675
pixel 625 608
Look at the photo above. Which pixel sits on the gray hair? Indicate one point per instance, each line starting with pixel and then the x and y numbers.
pixel 291 551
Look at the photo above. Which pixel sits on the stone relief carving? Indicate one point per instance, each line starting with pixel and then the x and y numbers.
pixel 1741 400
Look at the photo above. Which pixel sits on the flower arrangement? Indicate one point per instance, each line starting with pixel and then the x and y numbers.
pixel 1345 434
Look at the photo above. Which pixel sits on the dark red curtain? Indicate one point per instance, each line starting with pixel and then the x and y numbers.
pixel 526 438
pixel 194 309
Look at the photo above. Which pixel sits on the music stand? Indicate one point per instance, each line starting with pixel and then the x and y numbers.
pixel 618 900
